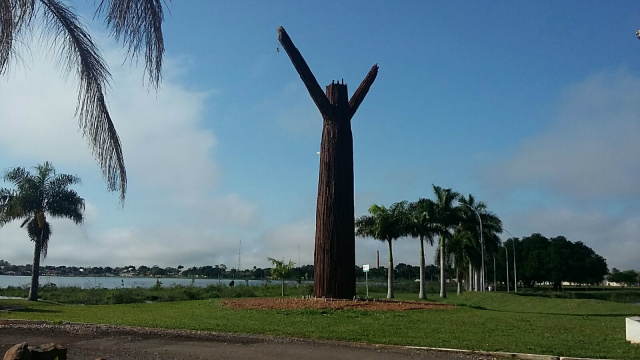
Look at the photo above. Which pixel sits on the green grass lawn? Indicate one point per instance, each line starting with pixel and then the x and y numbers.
pixel 479 321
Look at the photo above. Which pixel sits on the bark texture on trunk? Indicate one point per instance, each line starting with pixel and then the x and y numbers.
pixel 334 256
pixel 335 249
pixel 35 270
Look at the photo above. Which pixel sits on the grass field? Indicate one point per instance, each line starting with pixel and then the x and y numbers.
pixel 479 321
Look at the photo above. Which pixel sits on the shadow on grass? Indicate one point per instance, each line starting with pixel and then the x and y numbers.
pixel 30 310
pixel 21 309
pixel 27 307
pixel 477 307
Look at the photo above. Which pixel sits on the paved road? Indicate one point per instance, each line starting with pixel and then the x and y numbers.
pixel 118 343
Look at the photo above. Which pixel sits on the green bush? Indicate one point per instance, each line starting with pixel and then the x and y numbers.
pixel 101 296
pixel 614 295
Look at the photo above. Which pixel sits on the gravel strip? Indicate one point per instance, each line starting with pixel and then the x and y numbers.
pixel 95 330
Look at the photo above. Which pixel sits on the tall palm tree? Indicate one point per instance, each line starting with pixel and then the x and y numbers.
pixel 421 224
pixel 447 217
pixel 35 197
pixel 138 23
pixel 458 250
pixel 491 226
pixel 384 224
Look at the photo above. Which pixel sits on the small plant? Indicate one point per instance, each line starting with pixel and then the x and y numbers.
pixel 158 285
pixel 281 271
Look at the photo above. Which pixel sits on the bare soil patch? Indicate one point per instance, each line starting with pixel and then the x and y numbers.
pixel 318 303
pixel 88 342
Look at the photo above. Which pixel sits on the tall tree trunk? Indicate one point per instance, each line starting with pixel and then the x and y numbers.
pixel 282 287
pixel 422 294
pixel 335 254
pixel 470 276
pixel 334 257
pixel 443 280
pixel 459 279
pixel 35 270
pixel 390 273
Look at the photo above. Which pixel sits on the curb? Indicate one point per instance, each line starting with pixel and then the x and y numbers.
pixel 499 354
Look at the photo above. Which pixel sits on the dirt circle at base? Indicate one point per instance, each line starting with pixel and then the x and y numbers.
pixel 319 303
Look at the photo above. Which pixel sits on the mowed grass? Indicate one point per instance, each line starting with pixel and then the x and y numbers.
pixel 479 321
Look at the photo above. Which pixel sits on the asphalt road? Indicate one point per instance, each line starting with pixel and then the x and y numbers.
pixel 119 343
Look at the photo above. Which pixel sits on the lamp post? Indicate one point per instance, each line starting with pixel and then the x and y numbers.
pixel 481 244
pixel 515 279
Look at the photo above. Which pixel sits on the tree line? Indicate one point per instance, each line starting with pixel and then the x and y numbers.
pixel 556 261
pixel 467 238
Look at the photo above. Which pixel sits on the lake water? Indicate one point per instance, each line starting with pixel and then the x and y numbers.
pixel 113 282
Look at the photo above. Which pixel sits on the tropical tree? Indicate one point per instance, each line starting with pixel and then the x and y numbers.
pixel 476 217
pixel 37 196
pixel 627 277
pixel 458 250
pixel 384 224
pixel 281 271
pixel 138 23
pixel 420 224
pixel 447 217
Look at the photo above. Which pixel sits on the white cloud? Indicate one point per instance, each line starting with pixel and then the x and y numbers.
pixel 615 238
pixel 294 241
pixel 173 212
pixel 37 115
pixel 591 149
pixel 578 178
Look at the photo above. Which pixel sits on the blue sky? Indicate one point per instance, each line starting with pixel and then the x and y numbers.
pixel 532 107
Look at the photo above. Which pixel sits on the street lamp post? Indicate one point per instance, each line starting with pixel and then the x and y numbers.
pixel 481 244
pixel 515 279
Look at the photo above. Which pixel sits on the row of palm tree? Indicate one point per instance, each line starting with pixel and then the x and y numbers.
pixel 456 221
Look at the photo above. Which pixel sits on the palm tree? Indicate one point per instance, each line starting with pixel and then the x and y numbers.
pixel 458 250
pixel 37 196
pixel 491 226
pixel 447 217
pixel 138 23
pixel 421 225
pixel 281 270
pixel 384 224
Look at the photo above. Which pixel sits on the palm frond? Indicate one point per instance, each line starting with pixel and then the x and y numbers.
pixel 79 52
pixel 67 204
pixel 26 220
pixel 16 175
pixel 14 14
pixel 11 206
pixel 44 192
pixel 139 24
pixel 384 224
pixel 421 220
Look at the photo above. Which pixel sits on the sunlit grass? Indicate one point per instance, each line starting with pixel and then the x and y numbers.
pixel 479 321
